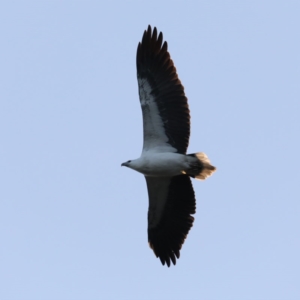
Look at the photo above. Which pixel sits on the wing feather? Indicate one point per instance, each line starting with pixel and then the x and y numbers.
pixel 166 117
pixel 171 204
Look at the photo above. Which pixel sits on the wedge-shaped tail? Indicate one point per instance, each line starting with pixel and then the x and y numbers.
pixel 200 167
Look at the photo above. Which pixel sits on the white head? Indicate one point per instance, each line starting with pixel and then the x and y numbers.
pixel 126 164
pixel 132 164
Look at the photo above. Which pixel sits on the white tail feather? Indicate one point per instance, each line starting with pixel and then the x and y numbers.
pixel 208 169
pixel 201 167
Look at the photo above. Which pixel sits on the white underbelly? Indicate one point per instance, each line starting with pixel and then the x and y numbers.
pixel 163 164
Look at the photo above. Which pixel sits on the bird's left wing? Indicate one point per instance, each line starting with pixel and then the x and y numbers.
pixel 166 118
pixel 171 204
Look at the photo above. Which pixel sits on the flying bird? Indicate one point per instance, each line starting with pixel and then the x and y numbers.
pixel 164 162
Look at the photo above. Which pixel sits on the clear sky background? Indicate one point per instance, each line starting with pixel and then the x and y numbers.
pixel 73 223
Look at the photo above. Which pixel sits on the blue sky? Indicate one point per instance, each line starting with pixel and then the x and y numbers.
pixel 73 223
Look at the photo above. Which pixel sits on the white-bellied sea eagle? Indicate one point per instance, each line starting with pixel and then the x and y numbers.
pixel 164 162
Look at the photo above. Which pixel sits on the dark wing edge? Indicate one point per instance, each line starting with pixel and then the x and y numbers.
pixel 155 65
pixel 168 236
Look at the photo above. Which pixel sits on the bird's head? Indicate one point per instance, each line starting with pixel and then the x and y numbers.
pixel 126 164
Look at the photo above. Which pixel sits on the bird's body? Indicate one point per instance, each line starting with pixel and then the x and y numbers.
pixel 164 162
pixel 161 164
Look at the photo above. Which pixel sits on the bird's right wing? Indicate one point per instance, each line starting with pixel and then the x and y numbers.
pixel 171 204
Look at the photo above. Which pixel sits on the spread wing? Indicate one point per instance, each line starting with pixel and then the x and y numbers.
pixel 171 204
pixel 166 117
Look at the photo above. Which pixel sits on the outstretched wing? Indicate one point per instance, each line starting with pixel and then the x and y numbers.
pixel 166 117
pixel 171 204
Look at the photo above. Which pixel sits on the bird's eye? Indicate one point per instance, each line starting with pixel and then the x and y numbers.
pixel 129 161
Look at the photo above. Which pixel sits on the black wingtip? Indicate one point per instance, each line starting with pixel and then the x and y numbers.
pixel 167 238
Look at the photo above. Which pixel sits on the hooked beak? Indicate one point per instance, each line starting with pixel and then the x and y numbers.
pixel 124 164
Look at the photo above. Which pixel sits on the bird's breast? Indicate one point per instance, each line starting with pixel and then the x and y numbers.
pixel 162 164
